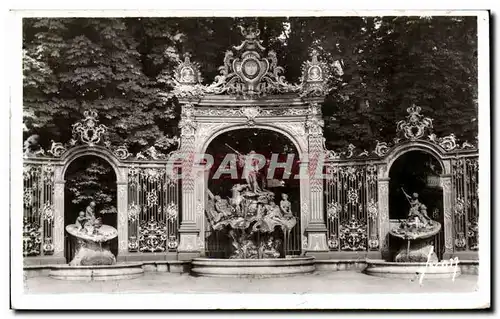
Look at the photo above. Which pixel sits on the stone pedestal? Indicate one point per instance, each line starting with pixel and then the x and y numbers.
pixel 419 251
pixel 92 253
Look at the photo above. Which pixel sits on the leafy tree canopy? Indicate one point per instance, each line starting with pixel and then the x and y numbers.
pixel 113 65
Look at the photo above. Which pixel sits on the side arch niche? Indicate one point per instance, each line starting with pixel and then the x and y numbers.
pixel 99 185
pixel 416 172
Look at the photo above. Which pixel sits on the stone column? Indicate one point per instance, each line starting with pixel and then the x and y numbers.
pixel 122 218
pixel 59 220
pixel 305 215
pixel 200 196
pixel 316 228
pixel 188 231
pixel 383 208
pixel 448 216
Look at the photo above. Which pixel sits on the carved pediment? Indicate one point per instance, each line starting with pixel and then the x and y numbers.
pixel 247 72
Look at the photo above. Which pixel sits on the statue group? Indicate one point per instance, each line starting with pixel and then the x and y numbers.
pixel 92 238
pixel 255 224
pixel 417 230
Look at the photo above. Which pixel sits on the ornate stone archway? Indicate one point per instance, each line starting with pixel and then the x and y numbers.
pixel 251 93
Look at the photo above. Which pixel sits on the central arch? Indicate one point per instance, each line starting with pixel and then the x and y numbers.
pixel 277 149
pixel 299 142
pixel 209 128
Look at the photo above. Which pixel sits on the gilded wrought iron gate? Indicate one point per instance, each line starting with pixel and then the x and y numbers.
pixel 465 203
pixel 38 204
pixel 351 207
pixel 153 210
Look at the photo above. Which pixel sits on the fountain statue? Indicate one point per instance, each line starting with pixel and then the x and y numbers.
pixel 416 230
pixel 92 239
pixel 252 217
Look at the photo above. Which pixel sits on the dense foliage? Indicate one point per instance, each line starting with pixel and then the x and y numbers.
pixel 113 65
pixel 91 179
pixel 118 66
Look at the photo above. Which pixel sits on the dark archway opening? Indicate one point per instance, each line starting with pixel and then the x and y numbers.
pixel 89 178
pixel 416 172
pixel 284 180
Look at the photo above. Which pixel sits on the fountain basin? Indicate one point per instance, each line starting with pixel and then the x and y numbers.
pixel 410 270
pixel 252 267
pixel 97 272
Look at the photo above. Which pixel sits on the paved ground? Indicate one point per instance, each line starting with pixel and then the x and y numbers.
pixel 319 282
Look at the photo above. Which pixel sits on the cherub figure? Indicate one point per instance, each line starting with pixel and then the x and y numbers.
pixel 236 198
pixel 81 220
pixel 286 206
pixel 90 212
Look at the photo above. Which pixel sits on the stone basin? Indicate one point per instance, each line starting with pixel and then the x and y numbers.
pixel 212 267
pixel 412 270
pixel 92 249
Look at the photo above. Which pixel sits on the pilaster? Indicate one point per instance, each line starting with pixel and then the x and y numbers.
pixel 383 208
pixel 59 218
pixel 448 216
pixel 122 218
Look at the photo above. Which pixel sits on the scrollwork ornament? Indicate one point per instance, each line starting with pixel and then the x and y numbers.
pixel 171 211
pixel 151 199
pixel 372 209
pixel 122 152
pixel 333 242
pixel 381 149
pixel 350 151
pixel 153 236
pixel 48 246
pixel 173 242
pixel 448 143
pixel 353 234
pixel 415 125
pixel 373 243
pixel 371 174
pixel 460 206
pixel 57 149
pixel 133 212
pixel 460 241
pixel 249 75
pixel 333 209
pixel 48 212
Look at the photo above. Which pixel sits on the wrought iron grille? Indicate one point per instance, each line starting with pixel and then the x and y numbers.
pixel 38 209
pixel 352 207
pixel 465 203
pixel 153 210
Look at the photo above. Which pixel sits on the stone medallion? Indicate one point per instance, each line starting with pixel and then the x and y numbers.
pixel 251 69
pixel 315 74
pixel 187 75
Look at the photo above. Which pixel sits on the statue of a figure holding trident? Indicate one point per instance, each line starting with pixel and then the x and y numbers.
pixel 418 211
pixel 250 164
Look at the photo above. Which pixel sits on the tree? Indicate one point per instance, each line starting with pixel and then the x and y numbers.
pixel 114 65
pixel 92 179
